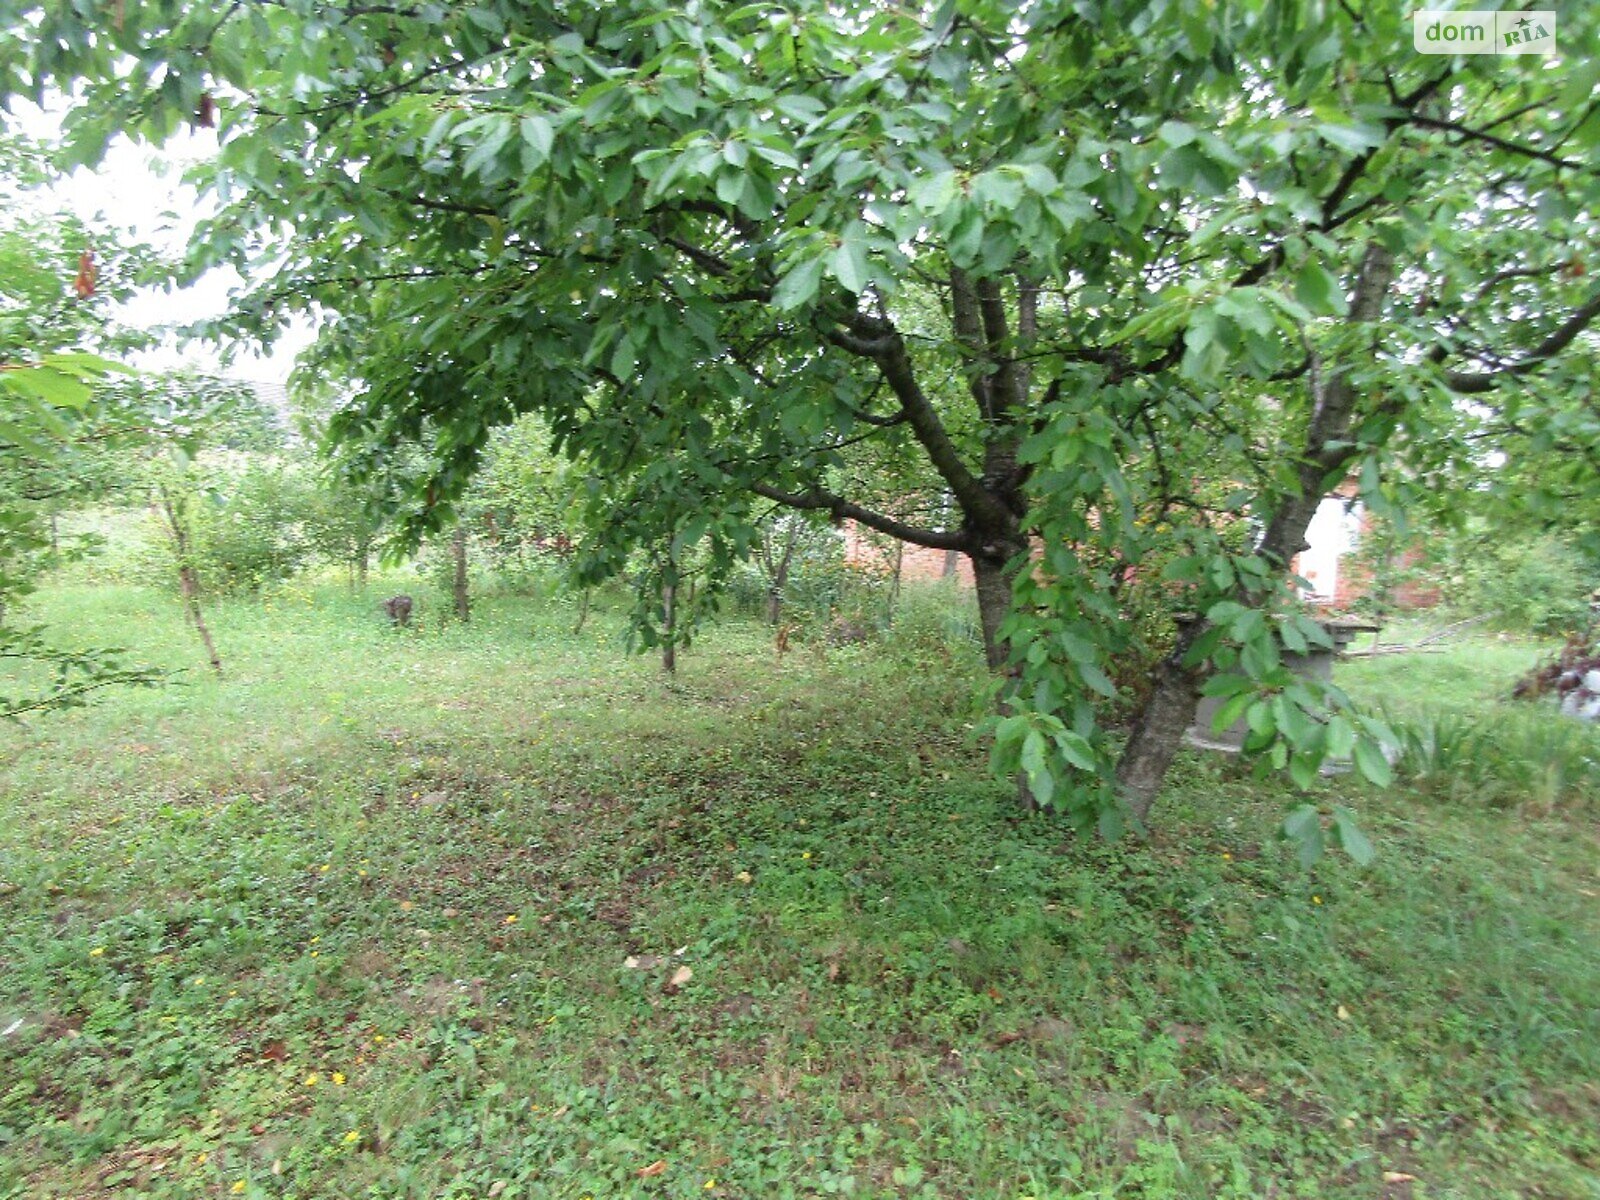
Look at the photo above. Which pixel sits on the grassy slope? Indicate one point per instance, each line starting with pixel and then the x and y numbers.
pixel 417 864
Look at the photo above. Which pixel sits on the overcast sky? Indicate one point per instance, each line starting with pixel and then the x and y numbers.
pixel 140 189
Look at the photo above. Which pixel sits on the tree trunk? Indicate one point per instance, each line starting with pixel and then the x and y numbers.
pixel 458 550
pixel 583 613
pixel 1323 458
pixel 191 597
pixel 894 579
pixel 1159 731
pixel 188 579
pixel 994 582
pixel 994 577
pixel 669 621
pixel 778 584
pixel 363 553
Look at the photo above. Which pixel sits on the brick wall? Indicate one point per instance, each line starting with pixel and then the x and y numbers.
pixel 869 551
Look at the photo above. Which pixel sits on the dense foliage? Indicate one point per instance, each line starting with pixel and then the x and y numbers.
pixel 1091 262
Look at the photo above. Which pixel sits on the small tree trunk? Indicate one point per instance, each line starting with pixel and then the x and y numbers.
pixel 583 613
pixel 188 578
pixel 995 577
pixel 1159 731
pixel 669 622
pixel 894 579
pixel 363 553
pixel 458 550
pixel 994 582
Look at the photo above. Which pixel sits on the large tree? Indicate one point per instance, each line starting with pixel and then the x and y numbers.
pixel 1167 244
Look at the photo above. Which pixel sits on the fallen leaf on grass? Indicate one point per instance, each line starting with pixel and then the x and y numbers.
pixel 1398 1177
pixel 680 977
pixel 642 962
pixel 658 1167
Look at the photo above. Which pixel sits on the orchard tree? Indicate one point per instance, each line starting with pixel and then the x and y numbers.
pixel 58 429
pixel 1171 245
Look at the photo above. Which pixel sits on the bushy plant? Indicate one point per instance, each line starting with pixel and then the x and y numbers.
pixel 1509 758
pixel 1536 585
pixel 937 618
pixel 250 519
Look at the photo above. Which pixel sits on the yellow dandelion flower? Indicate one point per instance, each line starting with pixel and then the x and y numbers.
pixel 200 1159
pixel 353 1136
pixel 807 854
pixel 1316 899
pixel 710 1183
pixel 198 980
pixel 311 1079
pixel 1226 856
pixel 338 1078
pixel 238 1186
pixel 377 1037
pixel 511 918
pixel 324 867
pixel 97 952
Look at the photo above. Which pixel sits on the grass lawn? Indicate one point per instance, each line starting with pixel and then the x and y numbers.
pixel 497 912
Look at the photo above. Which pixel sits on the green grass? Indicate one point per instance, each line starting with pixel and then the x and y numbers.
pixel 214 892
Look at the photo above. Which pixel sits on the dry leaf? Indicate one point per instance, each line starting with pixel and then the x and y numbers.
pixel 495 1188
pixel 658 1167
pixel 642 962
pixel 1398 1177
pixel 680 977
pixel 1342 1013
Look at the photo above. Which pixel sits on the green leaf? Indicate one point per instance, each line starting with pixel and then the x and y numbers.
pixel 798 285
pixel 850 265
pixel 540 137
pixel 1370 761
pixel 1319 291
pixel 1341 737
pixel 1303 770
pixel 1303 827
pixel 1176 133
pixel 1075 748
pixel 1353 138
pixel 1231 711
pixel 1351 838
pixel 1097 679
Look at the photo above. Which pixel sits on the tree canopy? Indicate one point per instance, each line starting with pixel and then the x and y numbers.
pixel 1122 274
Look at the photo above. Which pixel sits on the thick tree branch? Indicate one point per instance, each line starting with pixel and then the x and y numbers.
pixel 841 509
pixel 1472 382
pixel 878 340
pixel 1499 143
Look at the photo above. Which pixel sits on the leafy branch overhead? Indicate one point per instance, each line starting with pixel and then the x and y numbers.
pixel 1107 279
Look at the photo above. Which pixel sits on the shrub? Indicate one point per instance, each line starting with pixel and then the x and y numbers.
pixel 1526 758
pixel 1539 585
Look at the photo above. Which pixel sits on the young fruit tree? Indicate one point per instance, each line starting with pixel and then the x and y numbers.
pixel 1124 275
